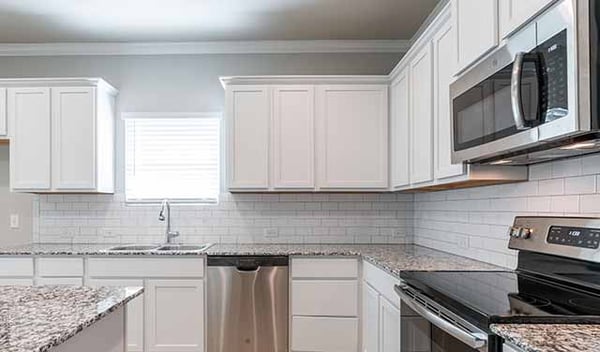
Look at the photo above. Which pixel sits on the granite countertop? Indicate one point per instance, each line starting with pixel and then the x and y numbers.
pixel 551 337
pixel 35 319
pixel 393 258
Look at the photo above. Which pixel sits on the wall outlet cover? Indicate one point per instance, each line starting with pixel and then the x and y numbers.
pixel 271 233
pixel 14 221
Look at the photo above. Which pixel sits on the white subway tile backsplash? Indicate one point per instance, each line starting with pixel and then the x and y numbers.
pixel 580 185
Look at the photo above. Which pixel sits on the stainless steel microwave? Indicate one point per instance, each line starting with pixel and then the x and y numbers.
pixel 536 97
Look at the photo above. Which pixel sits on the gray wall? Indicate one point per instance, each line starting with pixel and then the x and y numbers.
pixel 171 83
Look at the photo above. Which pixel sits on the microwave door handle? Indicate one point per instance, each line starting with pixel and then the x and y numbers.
pixel 515 91
pixel 473 340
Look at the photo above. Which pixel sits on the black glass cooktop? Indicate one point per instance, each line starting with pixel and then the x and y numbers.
pixel 507 297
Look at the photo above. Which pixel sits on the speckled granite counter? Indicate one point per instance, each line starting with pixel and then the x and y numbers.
pixel 35 319
pixel 393 258
pixel 551 337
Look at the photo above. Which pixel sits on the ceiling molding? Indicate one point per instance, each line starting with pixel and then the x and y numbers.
pixel 304 79
pixel 217 47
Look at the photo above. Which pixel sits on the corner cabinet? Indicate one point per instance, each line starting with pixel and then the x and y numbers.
pixel 61 135
pixel 307 134
pixel 421 138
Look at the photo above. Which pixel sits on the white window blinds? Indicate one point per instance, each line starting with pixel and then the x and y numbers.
pixel 172 156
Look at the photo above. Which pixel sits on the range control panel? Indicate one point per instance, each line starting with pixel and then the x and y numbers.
pixel 574 236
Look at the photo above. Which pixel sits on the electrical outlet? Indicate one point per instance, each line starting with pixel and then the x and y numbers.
pixel 399 232
pixel 271 233
pixel 14 221
pixel 462 242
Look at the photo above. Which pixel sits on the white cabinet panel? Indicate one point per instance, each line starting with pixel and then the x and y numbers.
pixel 15 282
pixel 353 135
pixel 324 268
pixel 382 281
pixel 29 118
pixel 421 116
pixel 3 113
pixel 514 13
pixel 135 312
pixel 249 118
pixel 60 281
pixel 370 319
pixel 324 334
pixel 325 298
pixel 73 138
pixel 389 326
pixel 508 348
pixel 175 321
pixel 400 129
pixel 443 71
pixel 293 137
pixel 59 267
pixel 476 23
pixel 15 267
pixel 145 267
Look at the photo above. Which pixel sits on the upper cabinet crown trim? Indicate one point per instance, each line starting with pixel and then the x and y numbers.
pixel 304 79
pixel 59 82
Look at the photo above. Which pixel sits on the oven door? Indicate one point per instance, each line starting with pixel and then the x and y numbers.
pixel 428 327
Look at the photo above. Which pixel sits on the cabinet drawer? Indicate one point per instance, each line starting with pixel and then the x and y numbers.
pixel 16 282
pixel 329 298
pixel 382 282
pixel 146 267
pixel 16 266
pixel 61 281
pixel 325 268
pixel 324 334
pixel 59 267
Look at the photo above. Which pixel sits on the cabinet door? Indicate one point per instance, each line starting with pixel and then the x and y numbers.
pixel 476 23
pixel 443 71
pixel 135 312
pixel 400 126
pixel 175 315
pixel 293 137
pixel 515 13
pixel 73 138
pixel 248 118
pixel 29 118
pixel 353 136
pixel 3 115
pixel 421 121
pixel 389 326
pixel 370 322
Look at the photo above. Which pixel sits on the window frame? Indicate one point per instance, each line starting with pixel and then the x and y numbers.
pixel 180 115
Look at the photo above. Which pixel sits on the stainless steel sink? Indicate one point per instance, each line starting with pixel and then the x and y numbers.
pixel 184 247
pixel 133 247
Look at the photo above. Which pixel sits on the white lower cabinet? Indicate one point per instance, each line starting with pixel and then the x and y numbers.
pixel 324 301
pixel 509 348
pixel 175 315
pixel 381 329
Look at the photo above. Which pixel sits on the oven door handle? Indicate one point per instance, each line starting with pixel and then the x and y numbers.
pixel 473 340
pixel 515 92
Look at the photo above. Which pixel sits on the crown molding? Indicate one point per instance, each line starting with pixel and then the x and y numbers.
pixel 304 79
pixel 217 47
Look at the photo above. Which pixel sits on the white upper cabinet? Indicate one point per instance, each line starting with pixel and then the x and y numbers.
pixel 30 149
pixel 421 117
pixel 352 136
pixel 293 137
pixel 61 135
pixel 3 114
pixel 249 118
pixel 304 134
pixel 443 71
pixel 514 13
pixel 400 129
pixel 476 25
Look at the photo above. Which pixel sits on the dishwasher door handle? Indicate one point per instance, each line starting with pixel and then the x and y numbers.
pixel 473 340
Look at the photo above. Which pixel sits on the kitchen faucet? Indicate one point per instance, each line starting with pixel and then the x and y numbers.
pixel 161 216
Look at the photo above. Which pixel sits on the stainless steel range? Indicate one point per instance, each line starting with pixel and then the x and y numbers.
pixel 557 280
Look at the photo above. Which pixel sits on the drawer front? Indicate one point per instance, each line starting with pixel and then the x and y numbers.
pixel 59 267
pixel 61 281
pixel 382 282
pixel 325 268
pixel 16 282
pixel 16 267
pixel 324 334
pixel 329 298
pixel 146 267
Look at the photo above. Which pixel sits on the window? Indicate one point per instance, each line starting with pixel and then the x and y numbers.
pixel 174 156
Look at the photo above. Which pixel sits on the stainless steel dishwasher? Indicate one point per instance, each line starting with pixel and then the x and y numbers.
pixel 247 304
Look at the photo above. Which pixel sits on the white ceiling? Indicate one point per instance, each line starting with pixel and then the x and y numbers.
pixel 40 21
